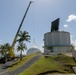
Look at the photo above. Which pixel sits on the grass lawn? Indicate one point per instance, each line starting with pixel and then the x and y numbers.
pixel 19 62
pixel 52 64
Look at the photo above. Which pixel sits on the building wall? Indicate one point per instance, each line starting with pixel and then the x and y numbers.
pixel 58 41
pixel 57 50
pixel 61 49
pixel 57 38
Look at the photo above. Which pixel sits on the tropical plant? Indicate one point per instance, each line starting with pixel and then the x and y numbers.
pixel 4 49
pixel 23 36
pixel 72 48
pixel 21 47
pixel 7 47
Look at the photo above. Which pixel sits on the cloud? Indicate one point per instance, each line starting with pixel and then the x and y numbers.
pixel 41 48
pixel 71 36
pixel 72 41
pixel 66 25
pixel 71 17
pixel 42 44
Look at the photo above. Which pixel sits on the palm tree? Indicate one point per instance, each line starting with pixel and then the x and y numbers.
pixel 21 47
pixel 4 49
pixel 23 36
pixel 7 47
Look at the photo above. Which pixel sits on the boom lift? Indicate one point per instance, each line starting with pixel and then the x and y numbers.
pixel 11 53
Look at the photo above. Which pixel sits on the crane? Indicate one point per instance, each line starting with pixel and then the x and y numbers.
pixel 11 53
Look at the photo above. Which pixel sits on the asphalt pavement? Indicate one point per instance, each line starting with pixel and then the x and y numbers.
pixel 26 65
pixel 23 67
pixel 1 70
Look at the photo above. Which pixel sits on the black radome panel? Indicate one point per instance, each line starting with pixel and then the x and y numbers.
pixel 55 25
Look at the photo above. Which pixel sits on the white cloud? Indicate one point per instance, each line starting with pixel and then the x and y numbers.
pixel 75 44
pixel 41 48
pixel 66 25
pixel 42 44
pixel 72 41
pixel 71 36
pixel 71 17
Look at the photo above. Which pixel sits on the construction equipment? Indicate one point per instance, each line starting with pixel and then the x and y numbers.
pixel 11 53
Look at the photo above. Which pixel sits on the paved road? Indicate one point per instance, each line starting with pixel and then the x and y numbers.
pixel 3 67
pixel 1 70
pixel 27 65
pixel 24 67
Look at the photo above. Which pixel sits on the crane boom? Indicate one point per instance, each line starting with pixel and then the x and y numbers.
pixel 13 44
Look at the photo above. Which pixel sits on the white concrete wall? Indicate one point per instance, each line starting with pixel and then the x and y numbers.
pixel 57 38
pixel 61 49
pixel 57 50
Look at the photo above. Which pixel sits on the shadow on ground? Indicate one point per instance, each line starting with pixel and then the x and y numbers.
pixel 48 72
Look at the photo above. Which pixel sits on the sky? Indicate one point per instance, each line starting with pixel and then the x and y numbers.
pixel 38 19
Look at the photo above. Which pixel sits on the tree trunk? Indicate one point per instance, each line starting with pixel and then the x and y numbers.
pixel 21 55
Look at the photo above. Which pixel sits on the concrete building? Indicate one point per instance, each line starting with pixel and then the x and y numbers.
pixel 57 42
